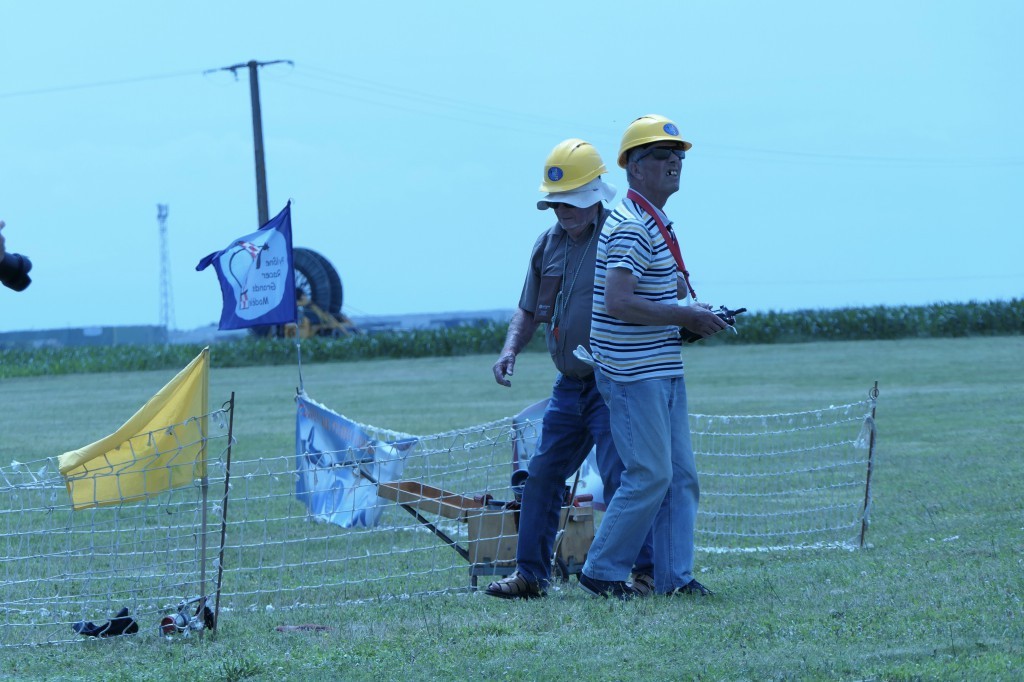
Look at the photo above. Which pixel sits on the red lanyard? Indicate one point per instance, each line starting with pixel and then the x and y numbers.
pixel 666 234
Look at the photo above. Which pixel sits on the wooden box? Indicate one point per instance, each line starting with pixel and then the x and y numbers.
pixel 494 535
pixel 578 536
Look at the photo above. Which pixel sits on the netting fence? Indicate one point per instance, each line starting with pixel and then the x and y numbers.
pixel 63 570
pixel 768 482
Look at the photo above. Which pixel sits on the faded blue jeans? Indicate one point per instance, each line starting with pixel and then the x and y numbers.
pixel 651 430
pixel 575 419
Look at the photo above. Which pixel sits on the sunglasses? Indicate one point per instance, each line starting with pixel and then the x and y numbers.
pixel 661 153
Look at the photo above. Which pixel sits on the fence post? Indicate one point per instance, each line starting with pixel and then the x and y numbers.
pixel 224 510
pixel 873 393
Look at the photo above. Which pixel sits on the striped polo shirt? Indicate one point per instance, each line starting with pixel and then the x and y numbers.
pixel 625 351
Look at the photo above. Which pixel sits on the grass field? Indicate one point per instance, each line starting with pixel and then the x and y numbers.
pixel 937 595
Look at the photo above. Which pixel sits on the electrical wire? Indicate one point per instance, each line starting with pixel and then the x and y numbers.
pixel 408 100
pixel 97 84
pixel 355 88
pixel 350 81
pixel 862 280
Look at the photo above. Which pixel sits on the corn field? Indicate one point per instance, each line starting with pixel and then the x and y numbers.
pixel 992 318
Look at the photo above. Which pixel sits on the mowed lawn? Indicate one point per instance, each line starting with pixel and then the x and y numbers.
pixel 936 595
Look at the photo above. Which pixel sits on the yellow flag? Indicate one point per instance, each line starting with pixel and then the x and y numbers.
pixel 162 447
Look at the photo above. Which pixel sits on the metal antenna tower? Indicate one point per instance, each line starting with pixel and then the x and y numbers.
pixel 166 295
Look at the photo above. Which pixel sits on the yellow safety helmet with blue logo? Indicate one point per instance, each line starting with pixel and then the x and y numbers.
pixel 648 129
pixel 571 164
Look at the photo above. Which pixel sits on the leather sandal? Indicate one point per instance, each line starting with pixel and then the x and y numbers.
pixel 642 584
pixel 515 586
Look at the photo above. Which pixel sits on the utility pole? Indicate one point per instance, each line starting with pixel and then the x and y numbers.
pixel 166 296
pixel 257 129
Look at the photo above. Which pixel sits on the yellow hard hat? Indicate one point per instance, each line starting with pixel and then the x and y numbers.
pixel 571 164
pixel 648 129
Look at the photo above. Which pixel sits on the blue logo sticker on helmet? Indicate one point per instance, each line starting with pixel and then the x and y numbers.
pixel 671 129
pixel 555 174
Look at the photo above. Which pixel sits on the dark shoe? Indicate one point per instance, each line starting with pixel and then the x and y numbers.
pixel 642 584
pixel 606 588
pixel 515 587
pixel 121 624
pixel 692 587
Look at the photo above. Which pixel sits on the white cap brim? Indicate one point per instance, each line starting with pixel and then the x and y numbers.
pixel 589 194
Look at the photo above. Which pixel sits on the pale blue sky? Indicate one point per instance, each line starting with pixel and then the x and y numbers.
pixel 852 153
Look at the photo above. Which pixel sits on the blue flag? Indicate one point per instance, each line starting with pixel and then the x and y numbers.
pixel 256 274
pixel 332 456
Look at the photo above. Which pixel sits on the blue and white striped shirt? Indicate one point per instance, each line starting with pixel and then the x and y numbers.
pixel 625 351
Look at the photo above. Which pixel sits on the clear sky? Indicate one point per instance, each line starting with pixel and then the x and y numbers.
pixel 845 153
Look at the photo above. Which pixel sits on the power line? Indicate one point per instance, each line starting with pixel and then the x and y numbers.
pixel 449 115
pixel 863 280
pixel 376 94
pixel 350 82
pixel 398 98
pixel 97 84
pixel 368 91
pixel 792 156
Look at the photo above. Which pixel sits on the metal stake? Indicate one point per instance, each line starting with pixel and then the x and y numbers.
pixel 873 393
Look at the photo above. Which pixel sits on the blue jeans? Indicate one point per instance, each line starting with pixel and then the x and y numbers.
pixel 651 430
pixel 575 419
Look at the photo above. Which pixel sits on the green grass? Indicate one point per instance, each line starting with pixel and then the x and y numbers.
pixel 937 595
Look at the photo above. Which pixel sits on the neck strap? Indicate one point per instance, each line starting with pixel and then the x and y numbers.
pixel 666 233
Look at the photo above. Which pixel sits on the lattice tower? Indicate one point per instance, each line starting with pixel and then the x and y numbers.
pixel 166 294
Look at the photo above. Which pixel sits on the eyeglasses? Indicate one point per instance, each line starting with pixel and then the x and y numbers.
pixel 660 153
pixel 563 204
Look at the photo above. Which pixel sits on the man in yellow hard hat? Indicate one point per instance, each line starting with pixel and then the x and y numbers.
pixel 558 292
pixel 635 343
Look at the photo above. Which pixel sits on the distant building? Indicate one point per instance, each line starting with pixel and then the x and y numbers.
pixel 412 321
pixel 85 336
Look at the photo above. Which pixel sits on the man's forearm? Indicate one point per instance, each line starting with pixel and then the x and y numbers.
pixel 521 329
pixel 637 310
pixel 623 303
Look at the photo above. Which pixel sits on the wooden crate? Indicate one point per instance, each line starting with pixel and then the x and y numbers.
pixel 494 536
